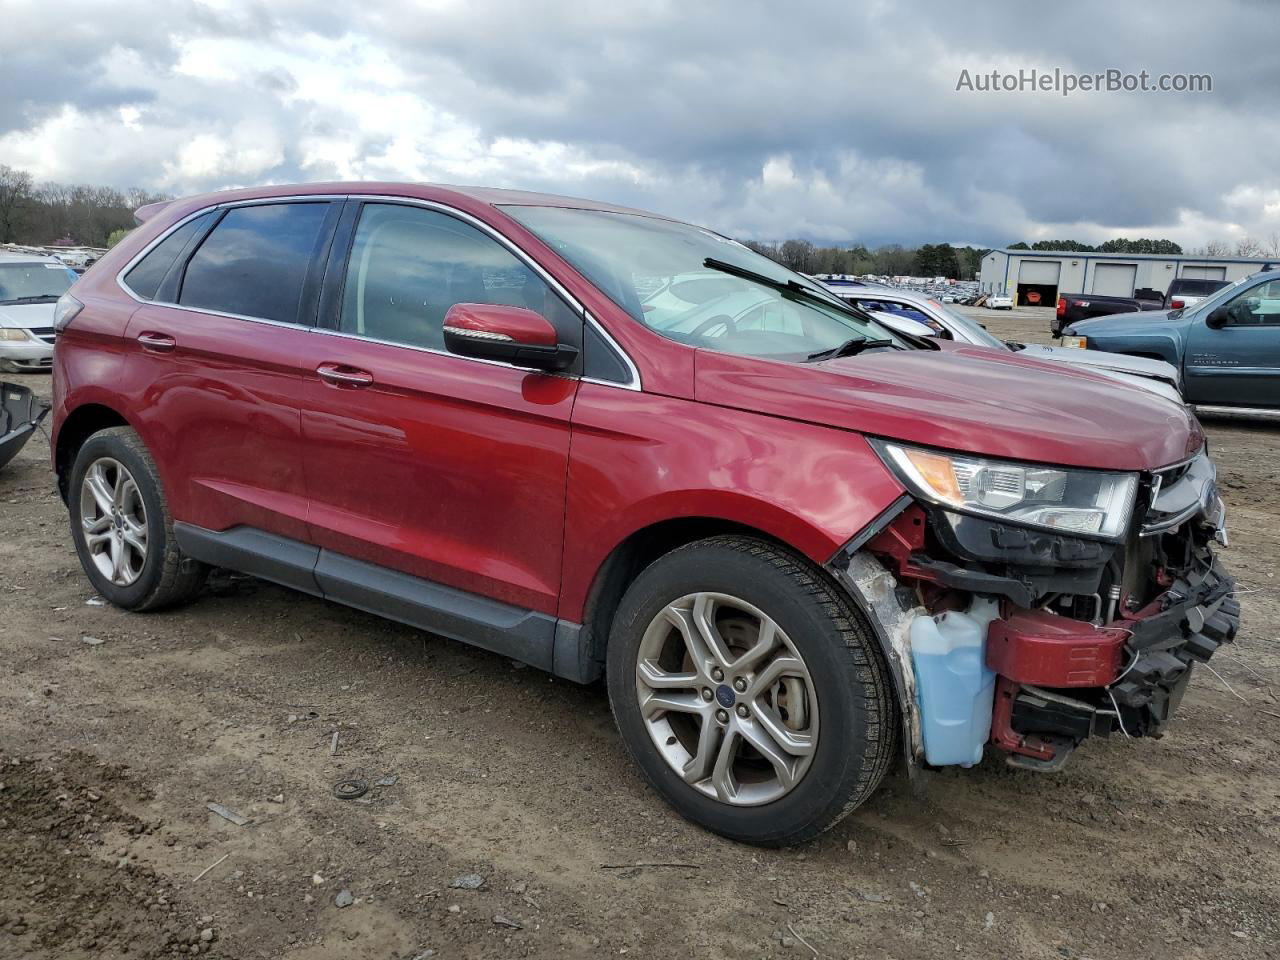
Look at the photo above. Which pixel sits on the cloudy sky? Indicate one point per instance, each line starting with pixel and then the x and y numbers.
pixel 837 121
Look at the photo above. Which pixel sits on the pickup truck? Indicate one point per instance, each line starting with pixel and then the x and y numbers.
pixel 1226 345
pixel 1185 291
pixel 1082 306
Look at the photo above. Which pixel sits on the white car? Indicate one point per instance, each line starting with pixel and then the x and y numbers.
pixel 911 313
pixel 30 285
pixel 998 301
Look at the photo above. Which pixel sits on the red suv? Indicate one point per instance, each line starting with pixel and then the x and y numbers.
pixel 798 546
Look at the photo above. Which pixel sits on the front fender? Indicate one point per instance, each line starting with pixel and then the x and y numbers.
pixel 639 459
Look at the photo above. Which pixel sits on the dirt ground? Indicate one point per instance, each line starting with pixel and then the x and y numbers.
pixel 117 730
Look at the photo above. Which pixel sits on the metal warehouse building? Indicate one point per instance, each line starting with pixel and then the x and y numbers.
pixel 1036 277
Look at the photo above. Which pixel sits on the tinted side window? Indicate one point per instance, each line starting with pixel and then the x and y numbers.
pixel 144 279
pixel 409 265
pixel 255 261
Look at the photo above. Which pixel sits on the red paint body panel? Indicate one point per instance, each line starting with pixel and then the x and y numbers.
pixel 514 323
pixel 964 398
pixel 1040 648
pixel 639 459
pixel 445 468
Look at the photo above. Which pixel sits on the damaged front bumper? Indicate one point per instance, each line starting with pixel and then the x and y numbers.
pixel 1088 638
pixel 20 414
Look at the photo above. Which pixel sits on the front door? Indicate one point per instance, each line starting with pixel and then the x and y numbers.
pixel 449 469
pixel 1237 364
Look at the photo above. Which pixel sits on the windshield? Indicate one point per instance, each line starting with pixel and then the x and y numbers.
pixel 34 282
pixel 672 277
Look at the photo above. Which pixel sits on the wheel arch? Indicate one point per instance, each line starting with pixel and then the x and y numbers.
pixel 632 555
pixel 80 424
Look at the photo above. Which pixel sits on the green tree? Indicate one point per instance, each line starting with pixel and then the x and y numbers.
pixel 15 198
pixel 1072 246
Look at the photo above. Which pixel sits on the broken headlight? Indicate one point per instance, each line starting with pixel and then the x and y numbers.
pixel 1087 503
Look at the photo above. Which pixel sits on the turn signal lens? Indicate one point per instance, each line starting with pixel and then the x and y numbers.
pixel 1080 343
pixel 937 472
pixel 65 310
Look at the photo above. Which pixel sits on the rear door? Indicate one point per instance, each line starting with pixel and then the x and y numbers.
pixel 420 462
pixel 1239 363
pixel 227 303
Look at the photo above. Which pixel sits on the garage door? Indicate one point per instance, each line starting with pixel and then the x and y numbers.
pixel 1205 273
pixel 1114 279
pixel 1039 271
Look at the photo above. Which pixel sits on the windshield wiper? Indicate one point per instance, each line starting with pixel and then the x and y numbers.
pixel 785 286
pixel 798 289
pixel 850 348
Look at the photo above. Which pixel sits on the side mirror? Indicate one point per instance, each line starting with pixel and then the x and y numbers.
pixel 515 335
pixel 1218 318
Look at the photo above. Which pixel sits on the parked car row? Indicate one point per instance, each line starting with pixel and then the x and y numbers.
pixel 923 316
pixel 799 543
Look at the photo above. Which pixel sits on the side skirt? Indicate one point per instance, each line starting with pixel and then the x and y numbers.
pixel 534 638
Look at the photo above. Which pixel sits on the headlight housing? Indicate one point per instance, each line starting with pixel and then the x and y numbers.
pixel 13 333
pixel 1086 503
pixel 1078 343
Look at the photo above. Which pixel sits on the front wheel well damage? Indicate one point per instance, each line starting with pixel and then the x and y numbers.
pixel 79 426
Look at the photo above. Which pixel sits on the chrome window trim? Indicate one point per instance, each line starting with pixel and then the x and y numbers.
pixel 633 384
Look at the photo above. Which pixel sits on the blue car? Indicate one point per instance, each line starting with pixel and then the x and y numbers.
pixel 1226 345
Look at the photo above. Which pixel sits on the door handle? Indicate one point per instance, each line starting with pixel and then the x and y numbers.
pixel 157 342
pixel 340 375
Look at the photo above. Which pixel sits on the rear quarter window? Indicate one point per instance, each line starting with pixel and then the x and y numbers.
pixel 147 274
pixel 255 261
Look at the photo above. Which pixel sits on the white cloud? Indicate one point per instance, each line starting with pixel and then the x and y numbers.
pixel 819 119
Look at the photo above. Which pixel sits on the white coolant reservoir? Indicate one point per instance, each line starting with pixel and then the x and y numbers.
pixel 954 686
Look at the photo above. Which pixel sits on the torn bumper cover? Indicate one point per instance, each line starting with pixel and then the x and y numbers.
pixel 20 413
pixel 1091 637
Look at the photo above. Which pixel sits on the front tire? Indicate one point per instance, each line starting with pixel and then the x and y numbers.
pixel 121 526
pixel 749 691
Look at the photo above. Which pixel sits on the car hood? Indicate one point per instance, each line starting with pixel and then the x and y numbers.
pixel 1139 366
pixel 26 315
pixel 1125 323
pixel 964 398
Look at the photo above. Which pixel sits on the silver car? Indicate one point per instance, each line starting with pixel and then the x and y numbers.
pixel 909 312
pixel 30 285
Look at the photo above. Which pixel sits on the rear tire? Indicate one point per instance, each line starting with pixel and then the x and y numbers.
pixel 767 746
pixel 122 528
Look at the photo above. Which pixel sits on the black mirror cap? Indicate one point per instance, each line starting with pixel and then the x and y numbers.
pixel 552 358
pixel 1217 318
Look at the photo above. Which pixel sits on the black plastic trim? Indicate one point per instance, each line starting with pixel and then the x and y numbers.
pixel 289 563
pixel 868 533
pixel 511 631
pixel 526 635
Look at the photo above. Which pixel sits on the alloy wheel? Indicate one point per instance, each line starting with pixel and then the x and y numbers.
pixel 727 699
pixel 114 519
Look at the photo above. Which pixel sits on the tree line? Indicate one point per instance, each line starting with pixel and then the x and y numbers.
pixel 928 260
pixel 45 213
